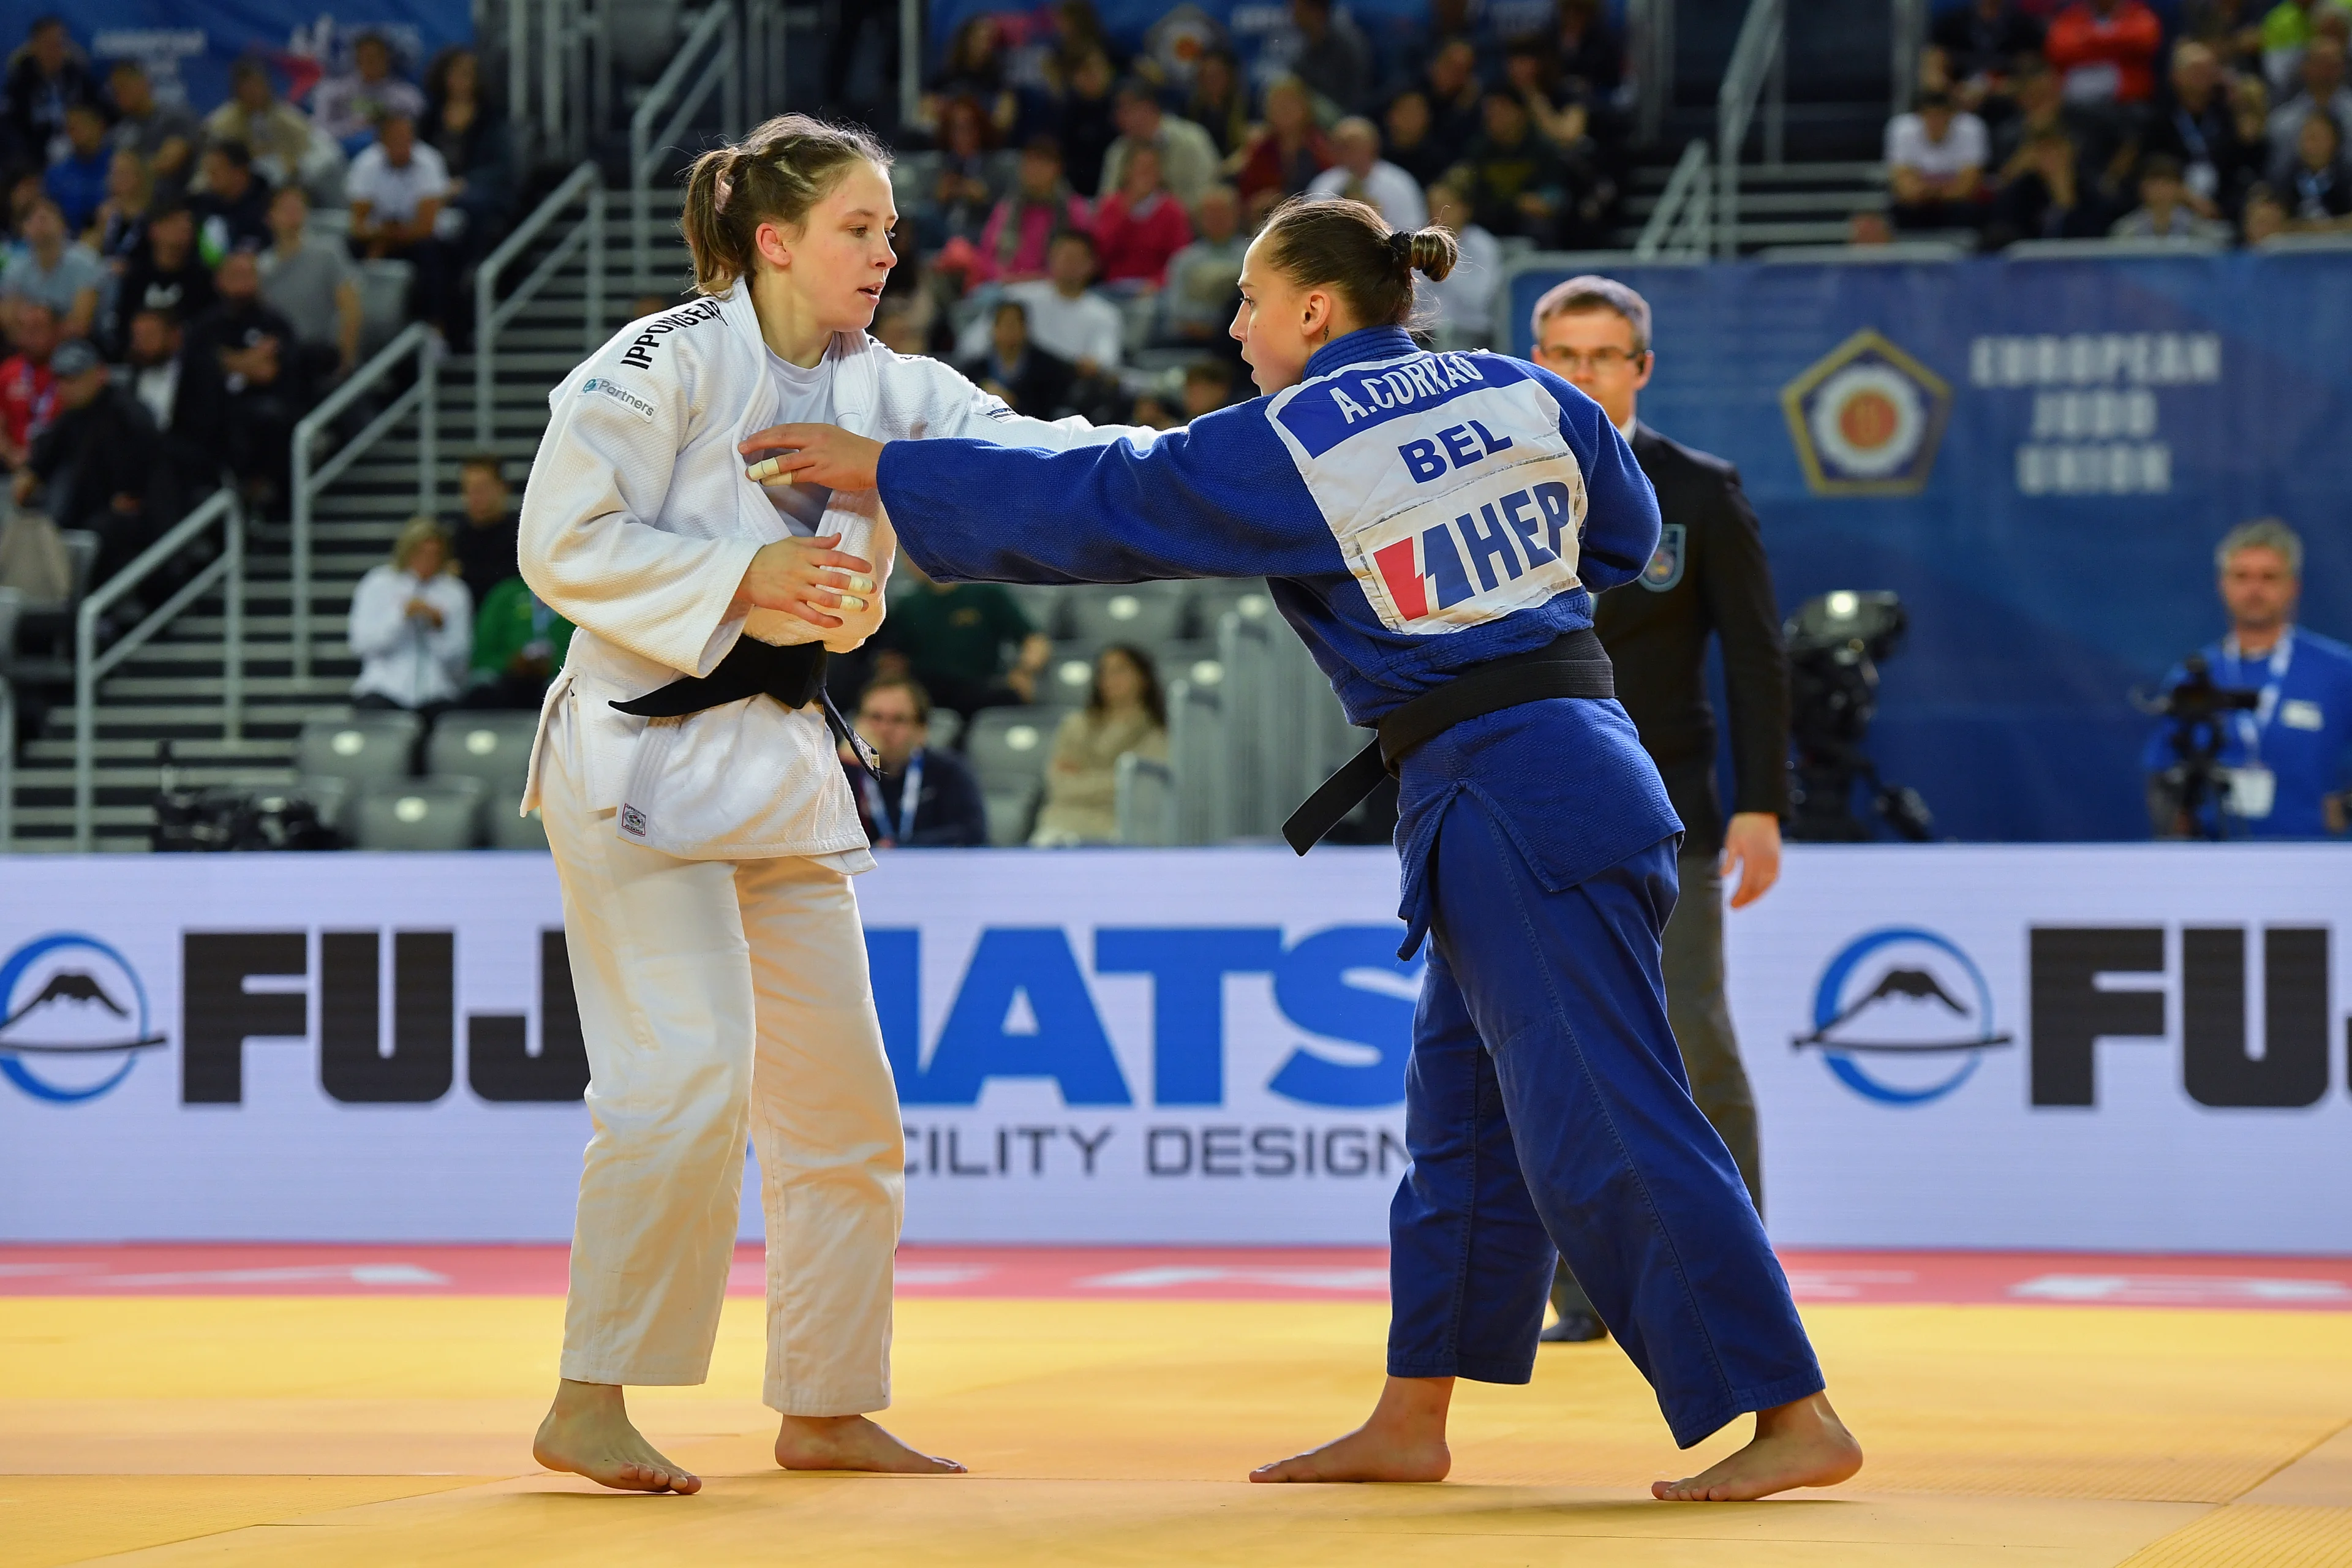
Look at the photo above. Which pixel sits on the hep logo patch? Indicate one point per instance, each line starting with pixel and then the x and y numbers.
pixel 1442 566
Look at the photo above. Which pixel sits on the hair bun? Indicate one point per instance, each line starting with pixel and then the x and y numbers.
pixel 1432 251
pixel 1400 247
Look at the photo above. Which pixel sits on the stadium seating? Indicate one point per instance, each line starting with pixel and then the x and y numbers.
pixel 417 815
pixel 362 748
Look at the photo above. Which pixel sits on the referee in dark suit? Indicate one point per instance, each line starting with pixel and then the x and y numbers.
pixel 1709 576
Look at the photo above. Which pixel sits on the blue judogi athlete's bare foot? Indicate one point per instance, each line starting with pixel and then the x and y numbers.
pixel 1801 1444
pixel 851 1443
pixel 588 1433
pixel 1404 1440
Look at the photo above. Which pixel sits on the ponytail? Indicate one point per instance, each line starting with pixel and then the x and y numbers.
pixel 773 175
pixel 1348 247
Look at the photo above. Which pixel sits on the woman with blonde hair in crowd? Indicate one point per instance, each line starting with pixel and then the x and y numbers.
pixel 412 625
pixel 703 832
pixel 1124 713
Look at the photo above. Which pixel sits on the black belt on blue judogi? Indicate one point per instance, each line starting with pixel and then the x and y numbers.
pixel 1575 665
pixel 794 675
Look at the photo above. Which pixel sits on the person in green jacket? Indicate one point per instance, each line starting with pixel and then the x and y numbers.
pixel 519 644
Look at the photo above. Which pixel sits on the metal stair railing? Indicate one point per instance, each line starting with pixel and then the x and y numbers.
pixel 91 666
pixel 1757 75
pixel 1679 224
pixel 1650 38
pixel 312 478
pixel 1910 28
pixel 586 181
pixel 720 74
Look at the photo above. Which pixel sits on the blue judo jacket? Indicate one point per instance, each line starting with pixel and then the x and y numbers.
pixel 1416 514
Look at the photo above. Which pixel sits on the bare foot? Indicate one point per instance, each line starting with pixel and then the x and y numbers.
pixel 1801 1444
pixel 587 1432
pixel 852 1443
pixel 1403 1441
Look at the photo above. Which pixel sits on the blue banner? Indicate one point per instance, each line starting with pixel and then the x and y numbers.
pixel 2039 455
pixel 188 46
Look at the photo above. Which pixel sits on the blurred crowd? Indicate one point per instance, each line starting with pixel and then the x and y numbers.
pixel 2097 119
pixel 1075 224
pixel 178 291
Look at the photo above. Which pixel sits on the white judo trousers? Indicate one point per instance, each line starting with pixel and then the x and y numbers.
pixel 721 1000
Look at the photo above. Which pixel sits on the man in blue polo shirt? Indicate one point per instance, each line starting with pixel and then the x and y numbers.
pixel 2282 763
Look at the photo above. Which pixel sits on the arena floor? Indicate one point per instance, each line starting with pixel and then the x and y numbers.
pixel 373 1405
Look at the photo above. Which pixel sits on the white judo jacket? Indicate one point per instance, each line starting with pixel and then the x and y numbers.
pixel 637 526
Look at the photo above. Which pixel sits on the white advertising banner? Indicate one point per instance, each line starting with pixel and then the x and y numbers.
pixel 2066 1046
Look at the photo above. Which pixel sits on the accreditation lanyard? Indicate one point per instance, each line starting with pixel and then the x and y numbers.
pixel 2251 725
pixel 900 829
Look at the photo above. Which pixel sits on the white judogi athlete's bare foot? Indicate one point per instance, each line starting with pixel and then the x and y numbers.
pixel 1403 1441
pixel 852 1443
pixel 1802 1444
pixel 588 1433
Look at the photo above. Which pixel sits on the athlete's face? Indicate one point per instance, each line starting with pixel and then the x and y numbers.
pixel 1280 325
pixel 837 262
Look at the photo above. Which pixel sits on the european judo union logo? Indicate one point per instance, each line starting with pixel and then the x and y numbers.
pixel 1867 418
pixel 73 1019
pixel 1911 1005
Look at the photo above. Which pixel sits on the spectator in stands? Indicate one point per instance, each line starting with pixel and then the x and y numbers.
pixel 1412 145
pixel 2263 214
pixel 1869 228
pixel 1034 382
pixel 1208 386
pixel 2194 125
pixel 165 135
pixel 484 536
pixel 2164 211
pixel 50 269
pixel 96 463
pixel 1014 246
pixel 1936 158
pixel 969 182
pixel 2318 185
pixel 2046 200
pixel 1286 153
pixel 1124 713
pixel 179 401
pixel 952 637
pixel 166 275
pixel 311 282
pixel 2232 29
pixel 46 77
pixel 1330 55
pixel 1457 99
pixel 519 645
pixel 2286 30
pixel 346 106
pixel 1203 277
pixel 974 68
pixel 2284 764
pixel 2106 51
pixel 412 625
pixel 1517 182
pixel 927 799
pixel 249 356
pixel 1188 159
pixel 1067 317
pixel 1589 52
pixel 272 130
pixel 1218 104
pixel 2323 92
pixel 1086 129
pixel 231 204
pixel 78 180
pixel 1465 296
pixel 1140 225
pixel 1362 174
pixel 1528 71
pixel 396 188
pixel 118 230
pixel 28 387
pixel 462 125
pixel 1980 42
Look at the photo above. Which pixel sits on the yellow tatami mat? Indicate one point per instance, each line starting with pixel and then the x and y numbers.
pixel 349 1430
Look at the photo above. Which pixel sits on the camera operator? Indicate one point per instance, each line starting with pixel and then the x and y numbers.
pixel 1709 577
pixel 2259 723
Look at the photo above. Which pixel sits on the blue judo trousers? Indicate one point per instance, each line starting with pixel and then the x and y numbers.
pixel 1546 1108
pixel 1417 515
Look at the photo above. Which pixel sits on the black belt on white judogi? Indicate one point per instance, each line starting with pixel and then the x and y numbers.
pixel 794 675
